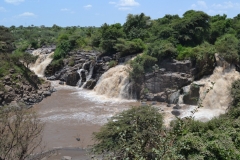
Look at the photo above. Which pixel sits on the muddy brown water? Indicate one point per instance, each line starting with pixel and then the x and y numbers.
pixel 72 113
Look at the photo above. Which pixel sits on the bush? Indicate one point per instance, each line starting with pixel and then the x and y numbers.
pixel 235 92
pixel 227 46
pixel 112 63
pixel 62 49
pixel 129 47
pixel 162 50
pixel 140 65
pixel 20 132
pixel 136 133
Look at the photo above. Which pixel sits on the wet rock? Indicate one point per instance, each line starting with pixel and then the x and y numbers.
pixel 46 93
pixel 46 85
pixel 106 58
pixel 191 94
pixel 51 78
pixel 61 82
pixel 66 158
pixel 177 107
pixel 52 89
pixel 72 78
pixel 90 84
pixel 160 97
pixel 176 112
pixel 173 97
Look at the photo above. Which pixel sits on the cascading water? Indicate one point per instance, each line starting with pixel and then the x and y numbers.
pixel 41 63
pixel 89 75
pixel 115 83
pixel 218 99
pixel 80 72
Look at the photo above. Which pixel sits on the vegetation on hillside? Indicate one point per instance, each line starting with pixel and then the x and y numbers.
pixel 139 133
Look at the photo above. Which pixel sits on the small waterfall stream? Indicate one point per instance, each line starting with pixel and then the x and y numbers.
pixel 89 74
pixel 41 63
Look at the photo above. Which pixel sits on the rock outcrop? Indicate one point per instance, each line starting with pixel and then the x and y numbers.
pixel 163 84
pixel 16 88
pixel 82 68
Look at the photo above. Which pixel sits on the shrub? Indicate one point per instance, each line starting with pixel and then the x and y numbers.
pixel 129 47
pixel 140 65
pixel 112 63
pixel 162 50
pixel 20 132
pixel 227 46
pixel 137 133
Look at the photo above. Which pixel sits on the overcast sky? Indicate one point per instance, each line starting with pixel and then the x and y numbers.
pixel 96 12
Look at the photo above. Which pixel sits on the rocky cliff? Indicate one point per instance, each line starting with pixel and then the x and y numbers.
pixel 163 84
pixel 80 68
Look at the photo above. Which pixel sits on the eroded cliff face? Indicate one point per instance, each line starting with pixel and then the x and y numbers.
pixel 26 86
pixel 18 88
pixel 80 68
pixel 163 84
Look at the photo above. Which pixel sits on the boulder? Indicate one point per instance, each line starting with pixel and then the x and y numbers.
pixel 46 93
pixel 191 94
pixel 66 158
pixel 9 97
pixel 90 84
pixel 51 78
pixel 106 58
pixel 71 78
pixel 8 88
pixel 160 97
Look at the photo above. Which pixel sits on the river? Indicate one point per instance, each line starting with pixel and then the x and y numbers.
pixel 72 113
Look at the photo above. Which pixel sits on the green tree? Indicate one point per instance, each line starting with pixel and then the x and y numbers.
pixel 162 50
pixel 6 40
pixel 137 133
pixel 129 47
pixel 193 28
pixel 110 34
pixel 136 26
pixel 227 46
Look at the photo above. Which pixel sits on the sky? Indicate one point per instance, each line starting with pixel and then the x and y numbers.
pixel 97 12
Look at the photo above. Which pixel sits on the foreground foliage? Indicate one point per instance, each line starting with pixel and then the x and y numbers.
pixel 139 133
pixel 20 133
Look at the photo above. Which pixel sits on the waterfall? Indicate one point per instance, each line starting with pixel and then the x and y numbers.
pixel 115 83
pixel 89 74
pixel 79 83
pixel 41 63
pixel 219 97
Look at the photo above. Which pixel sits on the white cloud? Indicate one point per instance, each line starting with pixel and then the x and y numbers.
pixel 202 4
pixel 111 2
pixel 199 5
pixel 226 5
pixel 26 14
pixel 125 8
pixel 2 9
pixel 125 4
pixel 14 1
pixel 216 8
pixel 128 3
pixel 65 9
pixel 88 6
